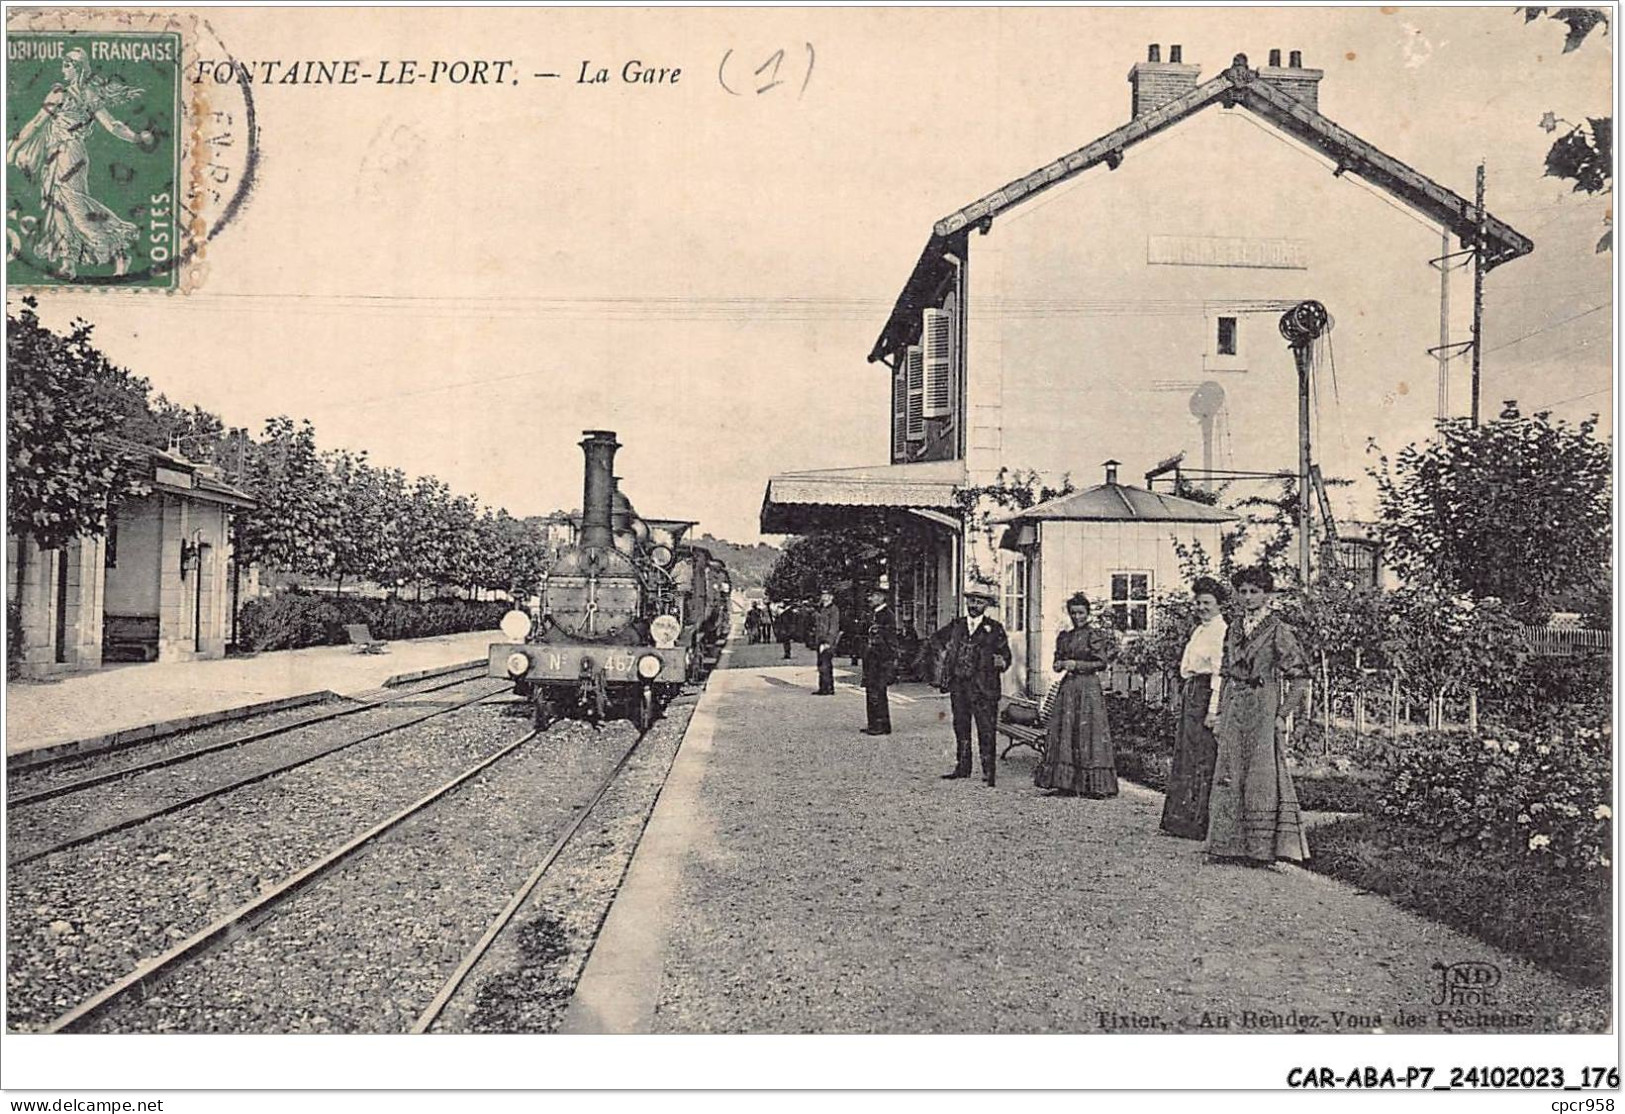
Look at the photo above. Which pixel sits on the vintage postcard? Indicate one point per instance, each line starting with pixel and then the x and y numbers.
pixel 1089 522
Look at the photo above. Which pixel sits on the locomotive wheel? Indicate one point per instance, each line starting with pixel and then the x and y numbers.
pixel 646 708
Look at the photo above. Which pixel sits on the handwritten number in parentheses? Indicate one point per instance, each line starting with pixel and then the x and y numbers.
pixel 770 67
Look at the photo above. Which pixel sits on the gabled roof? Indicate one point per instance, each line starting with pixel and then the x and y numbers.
pixel 1237 85
pixel 1121 503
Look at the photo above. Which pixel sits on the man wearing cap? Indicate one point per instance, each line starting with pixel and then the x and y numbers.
pixel 879 662
pixel 977 651
pixel 826 632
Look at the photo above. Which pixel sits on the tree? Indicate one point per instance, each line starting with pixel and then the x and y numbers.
pixel 67 465
pixel 827 560
pixel 66 412
pixel 293 526
pixel 1584 154
pixel 367 503
pixel 1516 509
pixel 423 531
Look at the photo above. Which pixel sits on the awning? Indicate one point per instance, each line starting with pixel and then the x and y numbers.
pixel 801 502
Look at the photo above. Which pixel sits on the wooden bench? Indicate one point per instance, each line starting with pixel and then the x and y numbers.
pixel 130 638
pixel 1022 734
pixel 363 641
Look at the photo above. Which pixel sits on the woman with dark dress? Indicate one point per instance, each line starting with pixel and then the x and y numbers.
pixel 1253 810
pixel 1078 757
pixel 1184 810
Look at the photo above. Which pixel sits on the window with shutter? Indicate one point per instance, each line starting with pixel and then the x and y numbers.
pixel 937 338
pixel 914 362
pixel 899 411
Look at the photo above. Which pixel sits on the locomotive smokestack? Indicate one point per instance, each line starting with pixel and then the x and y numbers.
pixel 598 494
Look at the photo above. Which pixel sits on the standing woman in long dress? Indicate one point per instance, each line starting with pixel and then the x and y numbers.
pixel 1185 809
pixel 1078 758
pixel 1253 808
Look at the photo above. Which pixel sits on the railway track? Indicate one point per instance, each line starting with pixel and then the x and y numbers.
pixel 365 702
pixel 398 851
pixel 100 820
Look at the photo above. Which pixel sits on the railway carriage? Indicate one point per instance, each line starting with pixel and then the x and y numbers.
pixel 628 613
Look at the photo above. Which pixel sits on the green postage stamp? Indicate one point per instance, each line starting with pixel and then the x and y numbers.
pixel 94 137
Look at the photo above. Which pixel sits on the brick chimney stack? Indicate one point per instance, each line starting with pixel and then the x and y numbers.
pixel 1156 82
pixel 1292 79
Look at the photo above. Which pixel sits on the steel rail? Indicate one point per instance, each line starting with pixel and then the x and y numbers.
pixel 436 1007
pixel 369 703
pixel 147 971
pixel 196 798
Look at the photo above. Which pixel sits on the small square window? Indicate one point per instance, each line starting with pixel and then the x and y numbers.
pixel 1131 600
pixel 1227 336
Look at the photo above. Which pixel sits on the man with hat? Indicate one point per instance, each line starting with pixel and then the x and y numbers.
pixel 977 650
pixel 826 633
pixel 879 661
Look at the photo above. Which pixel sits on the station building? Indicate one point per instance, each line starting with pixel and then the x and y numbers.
pixel 157 586
pixel 1123 301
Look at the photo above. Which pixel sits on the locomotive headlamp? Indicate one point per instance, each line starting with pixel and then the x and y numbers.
pixel 649 667
pixel 661 555
pixel 515 625
pixel 518 664
pixel 664 629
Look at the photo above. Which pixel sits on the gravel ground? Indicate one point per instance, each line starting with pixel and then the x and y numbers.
pixel 32 827
pixel 79 919
pixel 320 964
pixel 526 979
pixel 846 888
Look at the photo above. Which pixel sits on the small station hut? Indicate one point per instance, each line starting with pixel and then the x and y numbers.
pixel 1115 543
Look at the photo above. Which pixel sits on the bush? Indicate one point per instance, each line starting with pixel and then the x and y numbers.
pixel 290 620
pixel 1521 795
pixel 1525 702
pixel 1142 739
pixel 1560 921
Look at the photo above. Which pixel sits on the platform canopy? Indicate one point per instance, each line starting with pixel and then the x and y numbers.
pixel 828 499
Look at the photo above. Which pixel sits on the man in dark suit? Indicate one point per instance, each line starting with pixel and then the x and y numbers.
pixel 826 633
pixel 977 651
pixel 879 662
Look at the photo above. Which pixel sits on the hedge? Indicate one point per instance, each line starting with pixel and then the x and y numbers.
pixel 290 620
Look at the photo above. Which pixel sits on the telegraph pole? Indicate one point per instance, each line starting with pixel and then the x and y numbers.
pixel 1301 326
pixel 1478 288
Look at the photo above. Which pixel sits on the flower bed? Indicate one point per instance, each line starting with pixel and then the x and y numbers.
pixel 1559 920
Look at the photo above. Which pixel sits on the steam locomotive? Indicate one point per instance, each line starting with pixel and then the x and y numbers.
pixel 629 612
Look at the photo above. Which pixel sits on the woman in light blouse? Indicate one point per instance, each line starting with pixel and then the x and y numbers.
pixel 1184 810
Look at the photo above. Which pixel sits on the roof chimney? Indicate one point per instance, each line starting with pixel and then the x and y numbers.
pixel 1156 83
pixel 1292 79
pixel 1111 471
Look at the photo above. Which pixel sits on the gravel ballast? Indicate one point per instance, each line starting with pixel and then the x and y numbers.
pixel 80 918
pixel 367 946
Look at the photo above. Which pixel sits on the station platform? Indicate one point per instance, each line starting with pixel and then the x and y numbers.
pixel 75 707
pixel 799 877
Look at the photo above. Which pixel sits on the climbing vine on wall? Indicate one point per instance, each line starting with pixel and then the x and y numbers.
pixel 982 505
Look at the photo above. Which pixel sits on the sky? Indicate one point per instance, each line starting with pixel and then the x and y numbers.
pixel 460 280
